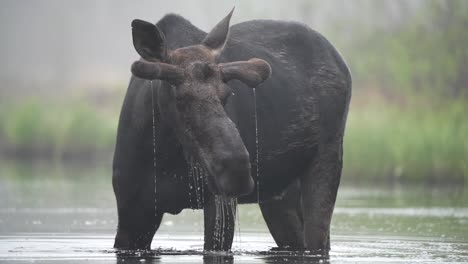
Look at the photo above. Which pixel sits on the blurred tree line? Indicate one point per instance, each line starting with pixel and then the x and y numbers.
pixel 424 52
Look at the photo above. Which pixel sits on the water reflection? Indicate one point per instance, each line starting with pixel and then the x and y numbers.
pixel 127 260
pixel 152 257
pixel 220 258
pixel 209 259
pixel 137 257
pixel 295 259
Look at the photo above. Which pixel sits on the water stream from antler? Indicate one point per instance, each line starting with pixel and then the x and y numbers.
pixel 154 150
pixel 256 146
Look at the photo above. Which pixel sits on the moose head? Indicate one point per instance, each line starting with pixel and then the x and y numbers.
pixel 196 90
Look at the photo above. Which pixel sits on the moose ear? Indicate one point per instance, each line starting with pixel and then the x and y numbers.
pixel 148 41
pixel 252 72
pixel 217 38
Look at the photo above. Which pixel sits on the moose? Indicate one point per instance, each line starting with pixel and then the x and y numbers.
pixel 260 107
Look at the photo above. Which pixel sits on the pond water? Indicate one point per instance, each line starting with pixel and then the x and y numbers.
pixel 55 213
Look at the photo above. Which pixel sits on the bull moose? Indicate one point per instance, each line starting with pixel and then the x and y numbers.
pixel 191 101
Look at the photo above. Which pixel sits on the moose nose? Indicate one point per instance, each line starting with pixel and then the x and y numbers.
pixel 234 178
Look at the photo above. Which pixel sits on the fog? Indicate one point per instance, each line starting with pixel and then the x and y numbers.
pixel 53 46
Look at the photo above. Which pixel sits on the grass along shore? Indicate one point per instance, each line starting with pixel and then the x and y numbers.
pixel 43 131
pixel 420 144
pixel 383 142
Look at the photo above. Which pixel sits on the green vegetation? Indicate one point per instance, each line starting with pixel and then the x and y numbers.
pixel 383 142
pixel 55 132
pixel 389 142
pixel 416 66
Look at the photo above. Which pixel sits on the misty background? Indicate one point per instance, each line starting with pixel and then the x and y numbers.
pixel 66 68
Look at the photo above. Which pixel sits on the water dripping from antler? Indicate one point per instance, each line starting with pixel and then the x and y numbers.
pixel 257 165
pixel 154 151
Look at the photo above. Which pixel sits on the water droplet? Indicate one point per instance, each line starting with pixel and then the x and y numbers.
pixel 257 165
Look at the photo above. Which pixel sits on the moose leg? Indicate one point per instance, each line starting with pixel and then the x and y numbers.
pixel 318 189
pixel 137 231
pixel 219 216
pixel 138 221
pixel 283 217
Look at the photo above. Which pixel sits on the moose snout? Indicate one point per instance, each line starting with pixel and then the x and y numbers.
pixel 234 177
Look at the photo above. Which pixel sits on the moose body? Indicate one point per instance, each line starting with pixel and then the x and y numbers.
pixel 207 115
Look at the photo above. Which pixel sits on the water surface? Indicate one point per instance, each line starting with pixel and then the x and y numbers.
pixel 66 214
